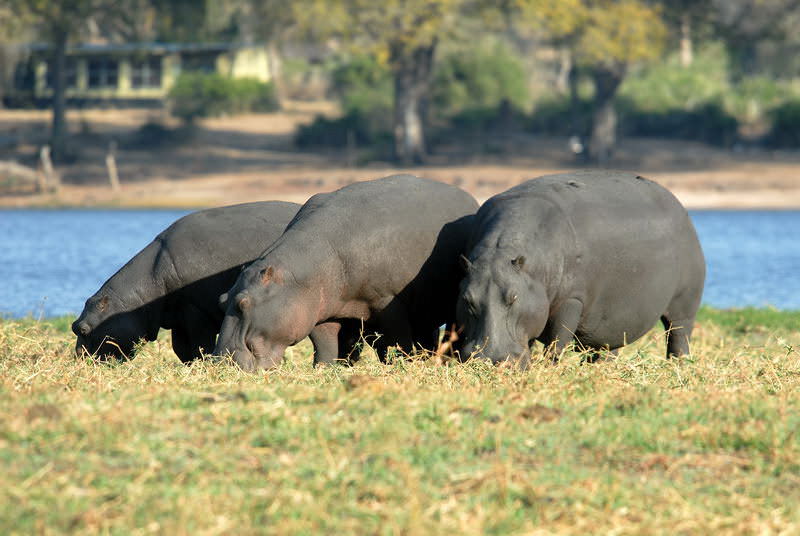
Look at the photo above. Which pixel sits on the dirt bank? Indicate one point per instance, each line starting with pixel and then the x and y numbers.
pixel 230 160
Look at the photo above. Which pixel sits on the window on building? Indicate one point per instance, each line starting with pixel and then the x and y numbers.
pixel 70 73
pixel 103 73
pixel 146 72
pixel 25 76
pixel 203 62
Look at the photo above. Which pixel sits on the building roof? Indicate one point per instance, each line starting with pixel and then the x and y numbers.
pixel 152 47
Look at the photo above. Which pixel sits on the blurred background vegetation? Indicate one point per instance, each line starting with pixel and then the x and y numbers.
pixel 412 75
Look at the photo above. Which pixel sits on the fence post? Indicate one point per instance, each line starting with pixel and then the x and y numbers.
pixel 111 165
pixel 51 178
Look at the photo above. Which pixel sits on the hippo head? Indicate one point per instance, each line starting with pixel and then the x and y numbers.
pixel 104 329
pixel 265 312
pixel 500 308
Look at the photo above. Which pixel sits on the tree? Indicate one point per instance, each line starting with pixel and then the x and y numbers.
pixel 605 37
pixel 58 21
pixel 746 25
pixel 684 17
pixel 268 21
pixel 404 34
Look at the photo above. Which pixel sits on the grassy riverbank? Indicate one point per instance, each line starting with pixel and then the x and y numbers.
pixel 639 444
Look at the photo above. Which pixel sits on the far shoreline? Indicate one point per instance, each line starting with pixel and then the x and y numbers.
pixel 135 197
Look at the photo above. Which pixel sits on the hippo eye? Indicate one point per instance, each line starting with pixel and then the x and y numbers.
pixel 511 298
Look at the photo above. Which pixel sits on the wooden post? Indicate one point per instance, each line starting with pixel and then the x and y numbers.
pixel 51 179
pixel 350 152
pixel 111 165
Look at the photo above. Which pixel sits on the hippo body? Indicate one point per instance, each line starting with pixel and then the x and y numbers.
pixel 384 252
pixel 176 280
pixel 594 256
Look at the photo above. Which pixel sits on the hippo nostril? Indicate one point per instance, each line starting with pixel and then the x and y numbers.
pixel 84 328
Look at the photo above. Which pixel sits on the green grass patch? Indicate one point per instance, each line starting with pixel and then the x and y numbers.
pixel 638 444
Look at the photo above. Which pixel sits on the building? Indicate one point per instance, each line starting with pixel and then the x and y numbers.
pixel 130 74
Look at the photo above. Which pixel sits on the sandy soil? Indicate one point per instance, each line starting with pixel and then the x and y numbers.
pixel 247 158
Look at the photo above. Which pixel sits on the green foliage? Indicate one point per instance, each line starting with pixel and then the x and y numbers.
pixel 600 33
pixel 554 116
pixel 470 90
pixel 709 123
pixel 700 101
pixel 479 77
pixel 785 131
pixel 364 85
pixel 364 88
pixel 752 98
pixel 751 319
pixel 353 127
pixel 668 85
pixel 197 95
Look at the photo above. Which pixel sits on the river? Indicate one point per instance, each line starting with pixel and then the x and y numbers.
pixel 52 260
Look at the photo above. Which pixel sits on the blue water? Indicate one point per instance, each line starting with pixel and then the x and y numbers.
pixel 52 260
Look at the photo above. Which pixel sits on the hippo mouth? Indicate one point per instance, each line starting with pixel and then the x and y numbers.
pixel 254 355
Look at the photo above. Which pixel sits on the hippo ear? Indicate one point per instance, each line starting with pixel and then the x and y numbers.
pixel 519 262
pixel 223 301
pixel 267 274
pixel 466 264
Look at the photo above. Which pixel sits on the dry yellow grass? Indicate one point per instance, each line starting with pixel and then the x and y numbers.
pixel 636 445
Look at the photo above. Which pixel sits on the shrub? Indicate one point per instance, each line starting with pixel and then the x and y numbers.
pixel 709 123
pixel 751 99
pixel 153 135
pixel 364 88
pixel 208 95
pixel 480 78
pixel 671 86
pixel 554 116
pixel 785 131
pixel 363 85
pixel 325 132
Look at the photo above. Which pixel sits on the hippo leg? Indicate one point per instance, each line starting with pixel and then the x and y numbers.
pixel 561 327
pixel 679 331
pixel 194 332
pixel 350 338
pixel 395 330
pixel 325 338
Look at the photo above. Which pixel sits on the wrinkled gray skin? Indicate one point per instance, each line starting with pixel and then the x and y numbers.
pixel 176 280
pixel 383 252
pixel 594 256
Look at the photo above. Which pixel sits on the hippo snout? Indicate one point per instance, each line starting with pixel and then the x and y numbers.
pixel 81 329
pixel 251 356
pixel 518 354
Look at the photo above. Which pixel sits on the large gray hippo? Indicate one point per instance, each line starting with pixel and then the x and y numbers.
pixel 176 280
pixel 384 251
pixel 594 256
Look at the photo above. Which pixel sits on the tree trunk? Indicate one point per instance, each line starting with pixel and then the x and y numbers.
pixel 276 72
pixel 565 69
pixel 577 124
pixel 604 120
pixel 687 54
pixel 59 130
pixel 412 72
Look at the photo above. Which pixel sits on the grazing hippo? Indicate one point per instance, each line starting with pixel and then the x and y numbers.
pixel 384 251
pixel 593 256
pixel 176 280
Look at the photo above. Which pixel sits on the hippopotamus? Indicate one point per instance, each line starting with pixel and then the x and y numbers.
pixel 175 282
pixel 384 252
pixel 597 257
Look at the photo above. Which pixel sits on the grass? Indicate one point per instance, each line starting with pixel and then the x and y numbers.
pixel 635 445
